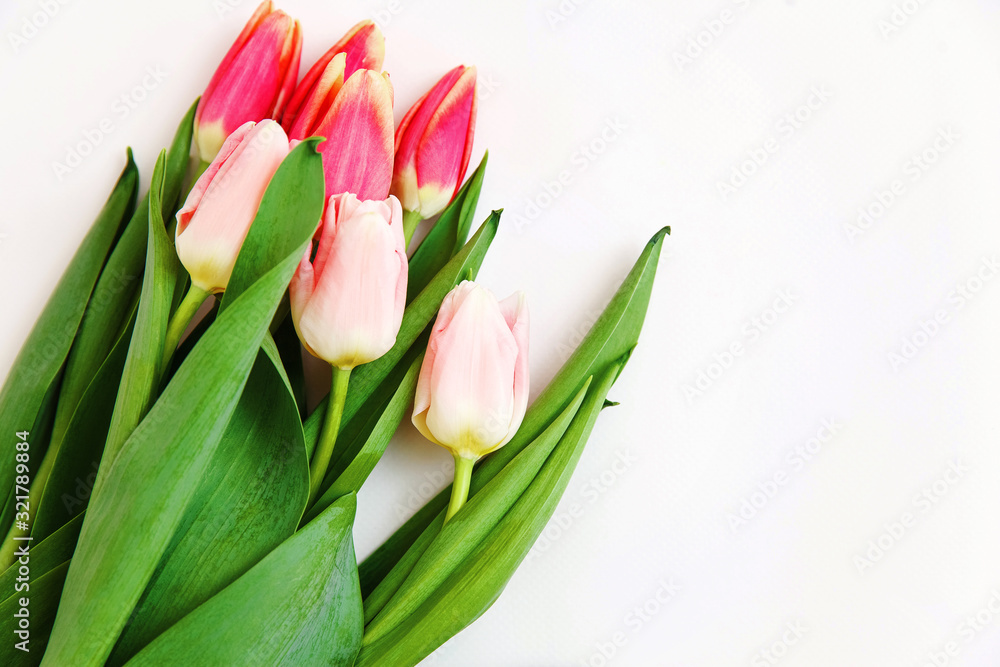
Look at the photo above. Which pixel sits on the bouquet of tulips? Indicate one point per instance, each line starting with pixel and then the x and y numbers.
pixel 169 499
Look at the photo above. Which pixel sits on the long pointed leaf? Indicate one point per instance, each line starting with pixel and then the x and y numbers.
pixel 301 605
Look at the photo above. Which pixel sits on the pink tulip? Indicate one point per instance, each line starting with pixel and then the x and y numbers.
pixel 357 153
pixel 347 304
pixel 223 202
pixel 363 47
pixel 433 143
pixel 473 386
pixel 254 80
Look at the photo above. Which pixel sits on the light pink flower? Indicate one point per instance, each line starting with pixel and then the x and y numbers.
pixel 222 204
pixel 254 80
pixel 472 392
pixel 347 303
pixel 433 143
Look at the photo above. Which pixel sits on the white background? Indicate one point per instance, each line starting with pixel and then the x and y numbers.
pixel 553 78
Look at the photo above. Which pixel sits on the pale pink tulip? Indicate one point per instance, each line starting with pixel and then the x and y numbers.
pixel 363 47
pixel 472 392
pixel 433 144
pixel 222 204
pixel 254 80
pixel 347 303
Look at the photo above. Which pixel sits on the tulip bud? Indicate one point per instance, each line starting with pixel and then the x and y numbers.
pixel 347 303
pixel 363 47
pixel 433 144
pixel 357 153
pixel 254 80
pixel 222 204
pixel 473 386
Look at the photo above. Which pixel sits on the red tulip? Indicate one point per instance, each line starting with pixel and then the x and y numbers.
pixel 363 47
pixel 433 144
pixel 254 80
pixel 357 153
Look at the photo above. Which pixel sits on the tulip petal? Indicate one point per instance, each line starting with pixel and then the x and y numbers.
pixel 357 153
pixel 201 185
pixel 317 105
pixel 354 310
pixel 253 81
pixel 227 204
pixel 472 378
pixel 263 10
pixel 434 143
pixel 363 47
pixel 515 313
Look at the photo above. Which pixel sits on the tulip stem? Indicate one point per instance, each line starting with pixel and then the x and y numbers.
pixel 179 322
pixel 460 487
pixel 331 428
pixel 410 221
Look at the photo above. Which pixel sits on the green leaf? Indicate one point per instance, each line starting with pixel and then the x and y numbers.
pixel 290 349
pixel 161 465
pixel 300 605
pixel 448 234
pixel 250 501
pixel 418 315
pixel 75 469
pixel 44 599
pixel 614 335
pixel 37 366
pixel 477 581
pixel 378 429
pixel 140 379
pixel 416 577
pixel 178 159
